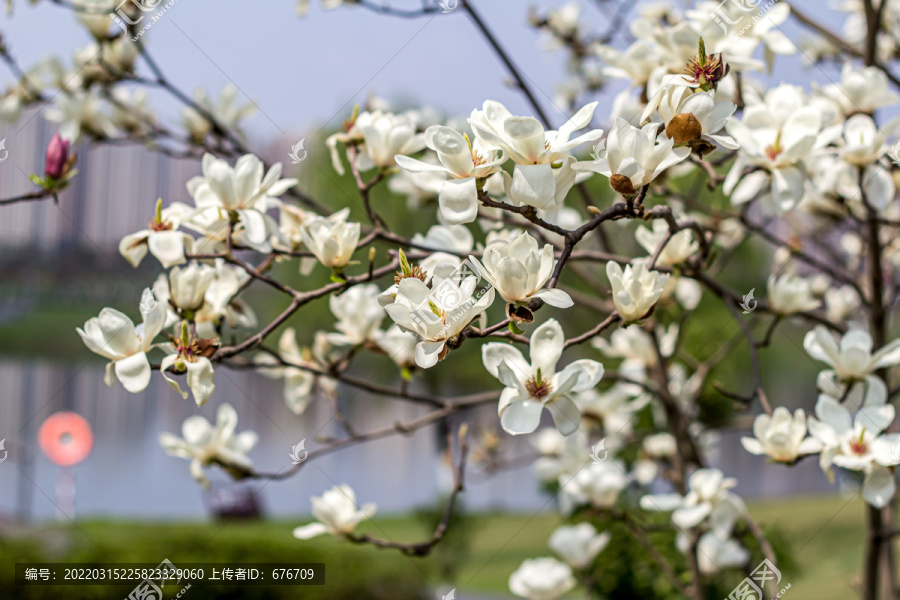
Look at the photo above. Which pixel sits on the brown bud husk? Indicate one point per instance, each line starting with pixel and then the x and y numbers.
pixel 683 128
pixel 519 314
pixel 718 68
pixel 622 184
pixel 206 347
pixel 701 147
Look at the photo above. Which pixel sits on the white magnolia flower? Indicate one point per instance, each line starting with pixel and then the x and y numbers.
pixel 637 63
pixel 291 220
pixel 95 15
pixel 188 285
pixel 857 443
pixel 386 135
pixel 656 448
pixel 440 240
pixel 853 359
pixel 678 249
pixel 333 240
pixel 715 553
pixel 533 149
pixel 842 303
pixel 565 19
pixel 337 513
pixel 532 387
pixel 227 113
pixel 863 146
pixel 781 436
pixel 578 545
pixel 633 157
pixel 597 484
pixel 636 347
pixel 204 444
pixel 399 345
pixel 131 112
pixel 299 383
pixel 80 112
pixel 358 313
pixel 862 89
pixel 438 313
pixel 541 579
pixel 161 238
pixel 464 164
pixel 561 456
pixel 114 336
pixel 418 187
pixel 187 357
pixel 222 304
pixel 350 135
pixel 690 114
pixel 747 29
pixel 613 408
pixel 245 190
pixel 863 143
pixel 635 290
pixel 219 305
pixel 518 270
pixel 776 136
pixel 708 498
pixel 105 61
pixel 791 294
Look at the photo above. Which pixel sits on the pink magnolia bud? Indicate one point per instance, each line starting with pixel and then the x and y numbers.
pixel 57 157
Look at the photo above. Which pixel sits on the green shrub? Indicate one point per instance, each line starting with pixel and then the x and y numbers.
pixel 352 572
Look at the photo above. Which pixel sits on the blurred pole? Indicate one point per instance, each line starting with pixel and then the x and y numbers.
pixel 25 438
pixel 65 494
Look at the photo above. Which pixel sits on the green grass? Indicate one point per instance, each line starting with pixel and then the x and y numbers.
pixel 824 536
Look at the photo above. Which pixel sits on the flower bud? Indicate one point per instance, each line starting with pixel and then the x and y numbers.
pixel 684 128
pixel 622 184
pixel 57 158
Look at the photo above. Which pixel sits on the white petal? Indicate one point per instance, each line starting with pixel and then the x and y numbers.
pixel 309 531
pixel 458 200
pixel 533 185
pixel 134 372
pixel 521 416
pixel 555 297
pixel 565 414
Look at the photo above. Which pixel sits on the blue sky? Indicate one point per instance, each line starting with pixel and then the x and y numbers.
pixel 306 72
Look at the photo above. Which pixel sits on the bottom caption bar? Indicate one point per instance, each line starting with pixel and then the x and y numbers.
pixel 153 577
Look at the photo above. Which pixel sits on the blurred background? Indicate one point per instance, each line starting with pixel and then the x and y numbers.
pixel 59 265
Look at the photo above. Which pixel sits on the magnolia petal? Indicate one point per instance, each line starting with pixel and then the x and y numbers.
pixel 565 414
pixel 309 531
pixel 555 297
pixel 521 416
pixel 167 247
pixel 661 502
pixel 691 516
pixel 494 353
pixel 134 372
pixel 417 166
pixel 458 200
pixel 427 353
pixel 546 347
pixel 581 375
pixel 133 247
pixel 533 185
pixel 200 379
pixel 753 446
pixel 749 187
pixel 878 488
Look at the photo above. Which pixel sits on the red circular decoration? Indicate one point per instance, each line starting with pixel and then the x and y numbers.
pixel 66 438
